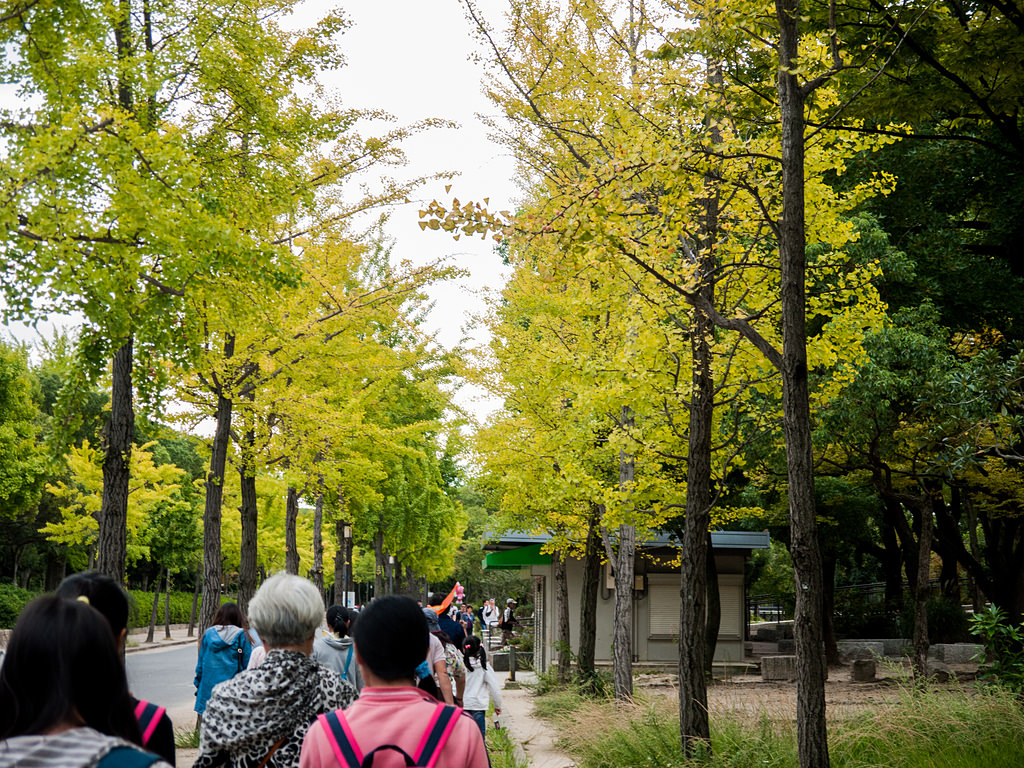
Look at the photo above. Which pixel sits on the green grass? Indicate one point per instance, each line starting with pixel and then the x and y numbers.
pixel 501 749
pixel 933 729
pixel 937 729
pixel 186 738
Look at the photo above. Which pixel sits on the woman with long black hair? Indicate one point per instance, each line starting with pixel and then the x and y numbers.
pixel 64 699
pixel 109 598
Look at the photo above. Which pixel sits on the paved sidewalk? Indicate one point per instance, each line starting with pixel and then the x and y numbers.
pixel 534 735
pixel 179 636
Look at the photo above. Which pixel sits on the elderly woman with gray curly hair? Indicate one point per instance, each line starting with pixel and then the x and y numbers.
pixel 258 718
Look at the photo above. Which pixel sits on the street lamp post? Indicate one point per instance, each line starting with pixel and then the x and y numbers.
pixel 391 574
pixel 346 559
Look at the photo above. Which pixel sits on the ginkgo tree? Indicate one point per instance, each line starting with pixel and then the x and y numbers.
pixel 632 172
pixel 153 486
pixel 150 143
pixel 307 370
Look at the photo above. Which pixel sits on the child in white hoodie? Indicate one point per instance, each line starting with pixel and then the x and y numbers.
pixel 481 684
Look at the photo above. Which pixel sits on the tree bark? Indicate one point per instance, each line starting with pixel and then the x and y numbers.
pixel 622 636
pixel 248 511
pixel 195 600
pixel 167 603
pixel 562 637
pixel 812 737
pixel 588 597
pixel 694 728
pixel 972 533
pixel 112 540
pixel 152 613
pixel 378 553
pixel 318 542
pixel 921 594
pixel 212 575
pixel 291 518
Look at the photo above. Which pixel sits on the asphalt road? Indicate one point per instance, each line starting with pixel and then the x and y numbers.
pixel 164 676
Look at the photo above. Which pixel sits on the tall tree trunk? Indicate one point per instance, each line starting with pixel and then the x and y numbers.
pixel 378 553
pixel 212 574
pixel 888 555
pixel 624 559
pixel 694 728
pixel 291 519
pixel 972 533
pixel 921 594
pixel 17 561
pixel 167 603
pixel 318 541
pixel 812 736
pixel 152 613
pixel 248 510
pixel 585 656
pixel 622 635
pixel 562 637
pixel 714 611
pixel 195 600
pixel 113 519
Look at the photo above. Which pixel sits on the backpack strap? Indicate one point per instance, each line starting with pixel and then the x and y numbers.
pixel 148 715
pixel 126 757
pixel 342 740
pixel 441 726
pixel 240 650
pixel 348 661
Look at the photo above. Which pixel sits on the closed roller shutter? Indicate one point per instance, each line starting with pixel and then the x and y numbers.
pixel 663 611
pixel 730 591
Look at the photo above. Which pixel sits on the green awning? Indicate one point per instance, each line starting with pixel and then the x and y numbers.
pixel 513 559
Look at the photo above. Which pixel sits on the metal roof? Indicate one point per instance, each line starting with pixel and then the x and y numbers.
pixel 719 540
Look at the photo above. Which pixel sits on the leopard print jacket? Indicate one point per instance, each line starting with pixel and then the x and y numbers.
pixel 252 711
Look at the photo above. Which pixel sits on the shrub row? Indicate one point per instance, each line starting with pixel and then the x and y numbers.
pixel 13 599
pixel 142 606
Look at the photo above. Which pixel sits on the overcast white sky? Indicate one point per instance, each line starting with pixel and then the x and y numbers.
pixel 411 58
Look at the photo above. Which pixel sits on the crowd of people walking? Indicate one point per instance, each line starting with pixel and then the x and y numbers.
pixel 285 687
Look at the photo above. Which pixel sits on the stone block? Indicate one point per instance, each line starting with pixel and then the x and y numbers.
pixel 861 649
pixel 863 670
pixel 775 668
pixel 940 672
pixel 894 646
pixel 955 653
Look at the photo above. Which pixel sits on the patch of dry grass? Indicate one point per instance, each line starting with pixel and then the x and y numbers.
pixel 889 725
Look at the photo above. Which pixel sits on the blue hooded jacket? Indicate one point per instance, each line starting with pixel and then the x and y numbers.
pixel 223 652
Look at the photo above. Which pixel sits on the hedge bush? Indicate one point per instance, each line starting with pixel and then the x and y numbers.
pixel 142 606
pixel 12 600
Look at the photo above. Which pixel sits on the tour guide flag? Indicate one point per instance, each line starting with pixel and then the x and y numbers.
pixel 447 600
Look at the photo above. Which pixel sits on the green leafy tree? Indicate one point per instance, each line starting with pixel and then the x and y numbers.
pixel 23 460
pixel 147 142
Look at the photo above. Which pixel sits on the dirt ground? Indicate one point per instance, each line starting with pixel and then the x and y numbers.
pixel 750 695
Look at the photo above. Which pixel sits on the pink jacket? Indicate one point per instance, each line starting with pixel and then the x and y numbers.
pixel 398 716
